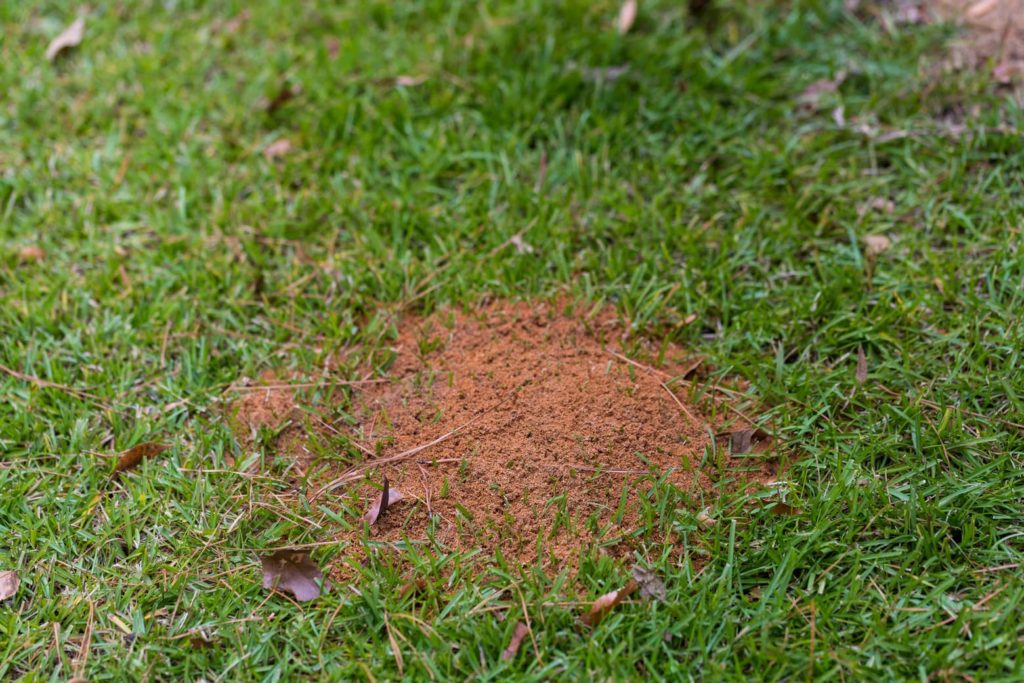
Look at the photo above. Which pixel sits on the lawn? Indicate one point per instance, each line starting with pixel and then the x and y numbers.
pixel 159 243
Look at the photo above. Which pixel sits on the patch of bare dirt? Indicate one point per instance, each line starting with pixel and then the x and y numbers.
pixel 993 36
pixel 542 439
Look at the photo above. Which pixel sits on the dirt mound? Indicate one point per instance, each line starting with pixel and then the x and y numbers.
pixel 993 36
pixel 521 428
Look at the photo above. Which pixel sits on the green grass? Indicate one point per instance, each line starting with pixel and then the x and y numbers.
pixel 178 260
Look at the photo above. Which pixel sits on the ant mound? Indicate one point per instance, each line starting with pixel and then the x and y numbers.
pixel 523 429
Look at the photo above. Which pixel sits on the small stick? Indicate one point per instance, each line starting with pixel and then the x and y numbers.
pixel 686 411
pixel 306 385
pixel 46 384
pixel 356 471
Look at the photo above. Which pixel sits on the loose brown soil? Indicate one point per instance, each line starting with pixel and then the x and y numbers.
pixel 558 438
pixel 993 35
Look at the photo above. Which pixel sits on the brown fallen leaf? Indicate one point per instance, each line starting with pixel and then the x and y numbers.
pixel 136 454
pixel 333 46
pixel 200 641
pixel 68 38
pixel 862 366
pixel 521 245
pixel 876 244
pixel 627 15
pixel 882 204
pixel 520 632
pixel 786 509
pixel 9 583
pixel 410 81
pixel 230 26
pixel 979 9
pixel 413 587
pixel 292 571
pixel 277 148
pixel 743 440
pixel 607 603
pixel 31 254
pixel 287 93
pixel 811 96
pixel 705 519
pixel 387 498
pixel 651 585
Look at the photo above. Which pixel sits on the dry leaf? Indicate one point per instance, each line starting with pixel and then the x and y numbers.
pixel 883 204
pixel 386 499
pixel 862 366
pixel 651 585
pixel 292 571
pixel 277 148
pixel 980 9
pixel 287 93
pixel 414 586
pixel 70 37
pixel 232 25
pixel 31 254
pixel 333 48
pixel 607 603
pixel 784 509
pixel 627 15
pixel 520 632
pixel 521 245
pixel 136 454
pixel 410 81
pixel 743 440
pixel 200 641
pixel 705 519
pixel 876 244
pixel 1004 71
pixel 811 96
pixel 839 116
pixel 9 583
pixel 605 74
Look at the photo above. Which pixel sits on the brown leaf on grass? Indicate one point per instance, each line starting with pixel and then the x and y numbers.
pixel 743 440
pixel 9 583
pixel 413 587
pixel 521 245
pixel 333 46
pixel 136 454
pixel 518 634
pixel 876 244
pixel 230 26
pixel 785 509
pixel 705 519
pixel 627 15
pixel 387 498
pixel 410 81
pixel 812 95
pixel 200 641
pixel 287 93
pixel 607 602
pixel 31 254
pixel 651 585
pixel 69 38
pixel 292 571
pixel 862 366
pixel 277 148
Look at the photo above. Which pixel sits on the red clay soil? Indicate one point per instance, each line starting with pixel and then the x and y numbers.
pixel 559 437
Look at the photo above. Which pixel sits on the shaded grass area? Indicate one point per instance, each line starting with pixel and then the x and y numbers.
pixel 178 259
